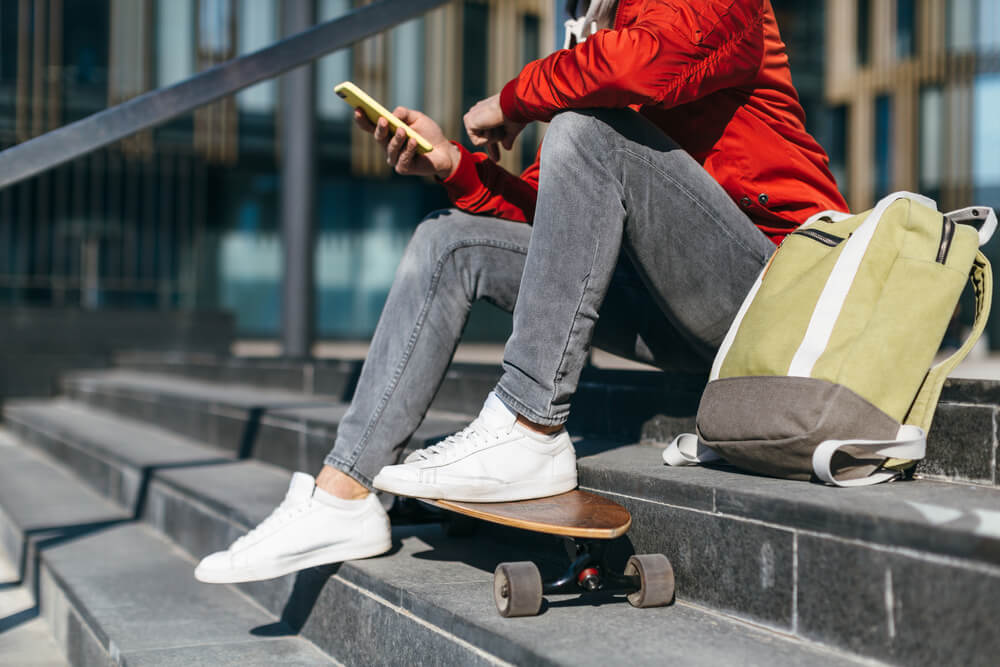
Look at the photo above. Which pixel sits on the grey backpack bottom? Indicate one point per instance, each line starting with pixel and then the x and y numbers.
pixel 772 425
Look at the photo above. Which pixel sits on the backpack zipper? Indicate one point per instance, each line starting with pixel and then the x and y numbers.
pixel 826 238
pixel 947 234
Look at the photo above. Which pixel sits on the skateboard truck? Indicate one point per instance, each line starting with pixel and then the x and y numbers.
pixel 648 579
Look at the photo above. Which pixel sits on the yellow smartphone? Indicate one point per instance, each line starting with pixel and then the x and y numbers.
pixel 359 99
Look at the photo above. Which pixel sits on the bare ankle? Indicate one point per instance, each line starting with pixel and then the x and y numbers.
pixel 340 485
pixel 544 429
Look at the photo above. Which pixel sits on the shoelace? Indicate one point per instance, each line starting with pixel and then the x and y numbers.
pixel 468 439
pixel 280 514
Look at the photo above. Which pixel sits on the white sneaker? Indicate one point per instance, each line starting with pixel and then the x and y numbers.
pixel 494 459
pixel 310 527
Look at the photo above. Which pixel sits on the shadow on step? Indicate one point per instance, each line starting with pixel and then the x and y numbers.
pixel 37 540
pixel 305 591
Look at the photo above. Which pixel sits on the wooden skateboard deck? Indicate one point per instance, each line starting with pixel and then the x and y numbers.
pixel 572 514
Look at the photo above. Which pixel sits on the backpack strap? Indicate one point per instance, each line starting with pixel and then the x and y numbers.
pixel 687 450
pixel 910 444
pixel 922 411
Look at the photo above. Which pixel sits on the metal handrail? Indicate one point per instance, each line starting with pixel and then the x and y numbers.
pixel 159 106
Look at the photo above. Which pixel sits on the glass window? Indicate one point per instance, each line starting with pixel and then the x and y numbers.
pixel 864 32
pixel 174 41
pixel 961 24
pixel 406 69
pixel 530 36
pixel 883 146
pixel 8 40
pixel 213 22
pixel 989 26
pixel 332 69
pixel 257 28
pixel 906 28
pixel 931 140
pixel 835 143
pixel 986 134
pixel 475 55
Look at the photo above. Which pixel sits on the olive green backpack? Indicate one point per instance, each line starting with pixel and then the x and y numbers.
pixel 824 372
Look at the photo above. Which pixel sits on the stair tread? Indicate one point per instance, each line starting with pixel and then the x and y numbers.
pixel 942 517
pixel 116 572
pixel 448 582
pixel 132 587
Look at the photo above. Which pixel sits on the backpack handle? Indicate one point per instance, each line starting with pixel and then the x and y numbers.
pixel 922 411
pixel 983 218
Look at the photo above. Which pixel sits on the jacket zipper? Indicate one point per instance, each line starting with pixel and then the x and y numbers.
pixel 825 238
pixel 947 233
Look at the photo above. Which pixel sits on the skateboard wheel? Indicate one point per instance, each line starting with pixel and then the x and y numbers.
pixel 656 580
pixel 517 589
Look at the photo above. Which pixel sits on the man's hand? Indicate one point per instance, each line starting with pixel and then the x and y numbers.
pixel 401 152
pixel 486 126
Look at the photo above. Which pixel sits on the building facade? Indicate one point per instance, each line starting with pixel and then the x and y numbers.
pixel 901 93
pixel 187 215
pixel 912 90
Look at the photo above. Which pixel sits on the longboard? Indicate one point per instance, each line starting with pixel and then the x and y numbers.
pixel 570 514
pixel 589 521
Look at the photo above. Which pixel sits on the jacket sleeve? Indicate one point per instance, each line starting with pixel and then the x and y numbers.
pixel 674 54
pixel 479 185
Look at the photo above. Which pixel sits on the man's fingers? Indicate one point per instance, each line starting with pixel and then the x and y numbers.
pixel 362 121
pixel 395 146
pixel 493 150
pixel 404 114
pixel 406 157
pixel 382 131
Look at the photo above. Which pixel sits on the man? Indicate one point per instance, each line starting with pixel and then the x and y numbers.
pixel 675 159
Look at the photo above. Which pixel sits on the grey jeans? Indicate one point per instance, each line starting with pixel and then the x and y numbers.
pixel 634 248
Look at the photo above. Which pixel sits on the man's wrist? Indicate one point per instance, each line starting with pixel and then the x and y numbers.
pixel 456 159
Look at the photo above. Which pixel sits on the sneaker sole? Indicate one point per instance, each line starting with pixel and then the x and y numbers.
pixel 316 558
pixel 507 493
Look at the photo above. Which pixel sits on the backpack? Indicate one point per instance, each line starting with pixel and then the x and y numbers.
pixel 824 372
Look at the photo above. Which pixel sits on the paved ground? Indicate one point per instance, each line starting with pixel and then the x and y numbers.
pixel 981 363
pixel 25 639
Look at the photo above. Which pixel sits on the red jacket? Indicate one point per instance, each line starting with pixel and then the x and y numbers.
pixel 713 74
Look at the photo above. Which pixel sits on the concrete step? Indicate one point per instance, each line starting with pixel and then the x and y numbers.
pixel 295 431
pixel 849 568
pixel 428 601
pixel 114 591
pixel 622 404
pixel 25 637
pixel 608 403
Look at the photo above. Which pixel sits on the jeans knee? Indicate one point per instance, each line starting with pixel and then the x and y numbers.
pixel 432 241
pixel 570 132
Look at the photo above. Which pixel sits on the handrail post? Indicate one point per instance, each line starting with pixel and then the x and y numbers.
pixel 298 192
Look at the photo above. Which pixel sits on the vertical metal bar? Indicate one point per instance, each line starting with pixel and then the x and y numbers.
pixel 199 216
pixel 60 223
pixel 75 231
pixel 165 226
pixel 38 70
pixel 22 237
pixel 183 221
pixel 298 185
pixel 114 215
pixel 55 64
pixel 42 222
pixel 6 232
pixel 23 88
pixel 91 235
pixel 130 218
pixel 147 273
